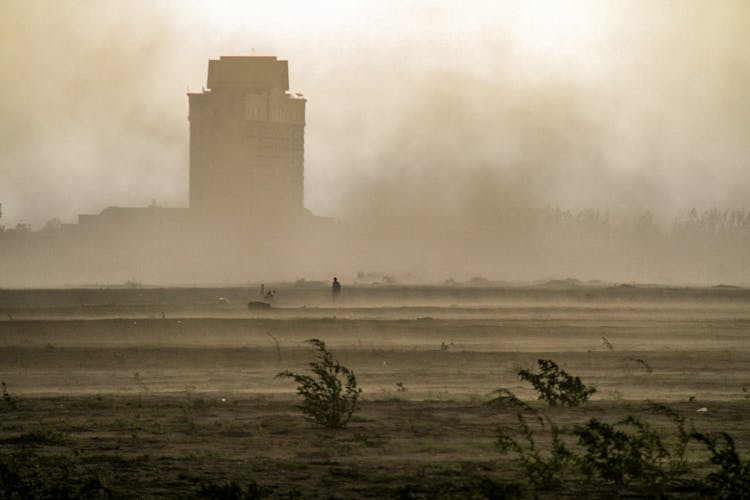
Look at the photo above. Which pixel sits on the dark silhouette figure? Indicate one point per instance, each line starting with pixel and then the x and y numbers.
pixel 335 289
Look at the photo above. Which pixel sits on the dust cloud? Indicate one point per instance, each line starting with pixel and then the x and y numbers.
pixel 514 141
pixel 662 125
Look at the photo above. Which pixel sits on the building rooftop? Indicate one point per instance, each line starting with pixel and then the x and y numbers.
pixel 247 73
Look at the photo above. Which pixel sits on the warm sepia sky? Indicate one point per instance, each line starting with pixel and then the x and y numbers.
pixel 416 106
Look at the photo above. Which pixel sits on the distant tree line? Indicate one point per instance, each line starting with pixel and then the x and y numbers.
pixel 554 220
pixel 713 222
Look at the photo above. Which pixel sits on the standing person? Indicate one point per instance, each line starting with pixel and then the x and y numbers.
pixel 335 289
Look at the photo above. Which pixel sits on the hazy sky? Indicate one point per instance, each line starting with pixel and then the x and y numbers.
pixel 425 107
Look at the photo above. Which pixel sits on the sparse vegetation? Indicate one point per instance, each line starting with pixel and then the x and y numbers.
pixel 732 479
pixel 9 400
pixel 82 409
pixel 643 363
pixel 277 346
pixel 626 451
pixel 543 467
pixel 615 395
pixel 232 490
pixel 138 381
pixel 40 436
pixel 25 476
pixel 555 386
pixel 326 400
pixel 472 487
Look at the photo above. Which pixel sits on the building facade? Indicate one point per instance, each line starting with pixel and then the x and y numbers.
pixel 247 141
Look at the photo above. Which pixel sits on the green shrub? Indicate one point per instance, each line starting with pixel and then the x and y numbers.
pixel 542 468
pixel 620 453
pixel 326 399
pixel 732 480
pixel 631 451
pixel 555 386
pixel 626 454
pixel 678 464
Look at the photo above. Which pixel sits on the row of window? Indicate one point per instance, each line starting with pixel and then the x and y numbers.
pixel 275 132
pixel 278 112
pixel 280 158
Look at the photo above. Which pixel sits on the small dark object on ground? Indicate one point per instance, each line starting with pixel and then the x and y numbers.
pixel 256 304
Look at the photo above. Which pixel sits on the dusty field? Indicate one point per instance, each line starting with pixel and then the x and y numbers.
pixel 158 391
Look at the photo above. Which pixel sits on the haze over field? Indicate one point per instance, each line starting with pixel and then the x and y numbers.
pixel 512 140
pixel 424 108
pixel 536 213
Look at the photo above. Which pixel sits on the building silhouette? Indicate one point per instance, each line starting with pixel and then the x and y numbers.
pixel 247 141
pixel 247 150
pixel 246 211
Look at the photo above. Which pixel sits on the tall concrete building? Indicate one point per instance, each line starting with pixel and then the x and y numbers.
pixel 247 141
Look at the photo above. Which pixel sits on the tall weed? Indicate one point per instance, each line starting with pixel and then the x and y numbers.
pixel 555 386
pixel 330 396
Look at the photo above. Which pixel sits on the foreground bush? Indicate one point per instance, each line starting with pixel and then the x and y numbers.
pixel 327 400
pixel 732 479
pixel 543 469
pixel 25 476
pixel 555 386
pixel 627 456
pixel 623 452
